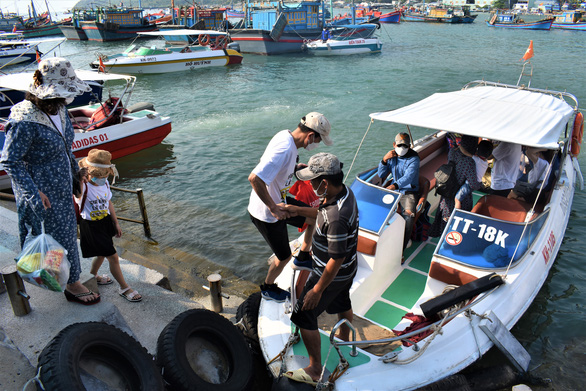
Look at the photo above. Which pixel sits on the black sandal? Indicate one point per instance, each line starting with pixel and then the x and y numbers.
pixel 76 298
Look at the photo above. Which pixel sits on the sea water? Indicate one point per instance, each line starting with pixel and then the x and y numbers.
pixel 195 182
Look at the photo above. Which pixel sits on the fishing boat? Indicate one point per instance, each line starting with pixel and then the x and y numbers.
pixel 439 15
pixel 112 125
pixel 453 298
pixel 390 17
pixel 16 52
pixel 142 59
pixel 116 24
pixel 72 30
pixel 513 21
pixel 342 47
pixel 189 36
pixel 571 20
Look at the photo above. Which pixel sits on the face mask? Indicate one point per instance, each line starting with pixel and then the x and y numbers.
pixel 99 181
pixel 311 146
pixel 401 151
pixel 316 191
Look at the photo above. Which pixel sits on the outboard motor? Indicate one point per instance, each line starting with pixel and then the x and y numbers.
pixel 234 46
pixel 140 106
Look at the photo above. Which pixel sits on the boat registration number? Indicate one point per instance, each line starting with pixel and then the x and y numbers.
pixel 196 63
pixel 484 231
pixel 148 59
pixel 356 41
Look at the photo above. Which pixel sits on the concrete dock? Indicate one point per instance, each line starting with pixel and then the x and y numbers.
pixel 23 338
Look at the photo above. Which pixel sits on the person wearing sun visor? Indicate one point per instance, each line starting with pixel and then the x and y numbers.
pixel 401 165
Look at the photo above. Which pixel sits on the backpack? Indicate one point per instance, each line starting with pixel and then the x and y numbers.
pixel 446 182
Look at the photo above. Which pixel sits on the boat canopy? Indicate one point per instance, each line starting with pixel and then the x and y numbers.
pixel 21 81
pixel 182 32
pixel 506 114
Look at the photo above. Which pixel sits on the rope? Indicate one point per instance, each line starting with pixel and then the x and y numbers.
pixel 35 379
pixel 358 150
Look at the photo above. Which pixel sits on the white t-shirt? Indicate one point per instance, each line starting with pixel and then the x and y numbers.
pixel 537 174
pixel 96 203
pixel 276 168
pixel 57 122
pixel 481 167
pixel 506 166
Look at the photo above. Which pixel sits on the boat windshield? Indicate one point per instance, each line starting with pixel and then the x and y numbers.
pixel 376 204
pixel 485 242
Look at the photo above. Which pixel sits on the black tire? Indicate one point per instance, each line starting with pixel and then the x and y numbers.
pixel 247 314
pixel 198 337
pixel 97 355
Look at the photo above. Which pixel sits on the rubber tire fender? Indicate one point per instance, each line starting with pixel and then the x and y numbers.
pixel 59 362
pixel 247 314
pixel 172 354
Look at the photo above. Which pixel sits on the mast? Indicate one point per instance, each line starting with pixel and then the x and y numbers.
pixel 48 12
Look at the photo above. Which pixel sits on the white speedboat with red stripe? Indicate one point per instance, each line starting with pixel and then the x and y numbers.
pixel 420 321
pixel 108 125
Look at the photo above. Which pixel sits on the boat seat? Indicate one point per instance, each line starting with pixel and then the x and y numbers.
pixel 503 208
pixel 449 275
pixel 366 246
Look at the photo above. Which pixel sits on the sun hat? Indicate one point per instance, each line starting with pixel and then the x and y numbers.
pixel 318 123
pixel 320 164
pixel 59 80
pixel 98 163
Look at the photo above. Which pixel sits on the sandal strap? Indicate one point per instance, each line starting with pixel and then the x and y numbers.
pixel 89 293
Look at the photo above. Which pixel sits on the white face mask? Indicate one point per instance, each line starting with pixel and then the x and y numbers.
pixel 311 146
pixel 401 151
pixel 316 191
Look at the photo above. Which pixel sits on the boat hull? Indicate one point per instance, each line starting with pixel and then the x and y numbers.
pixel 431 19
pixel 172 62
pixel 342 48
pixel 579 26
pixel 41 31
pixel 105 32
pixel 73 33
pixel 391 17
pixel 538 25
pixel 18 57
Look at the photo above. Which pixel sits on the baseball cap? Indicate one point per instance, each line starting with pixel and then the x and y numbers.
pixel 320 164
pixel 318 123
pixel 402 138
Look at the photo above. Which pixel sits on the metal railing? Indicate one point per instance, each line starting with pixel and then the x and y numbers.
pixel 145 219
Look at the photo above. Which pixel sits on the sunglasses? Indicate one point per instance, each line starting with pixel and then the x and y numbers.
pixel 403 145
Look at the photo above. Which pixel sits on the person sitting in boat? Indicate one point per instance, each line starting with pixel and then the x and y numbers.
pixel 461 156
pixel 533 172
pixel 402 163
pixel 325 35
pixel 505 169
pixel 483 152
pixel 334 258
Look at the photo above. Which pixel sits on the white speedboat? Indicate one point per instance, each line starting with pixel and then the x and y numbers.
pixel 107 125
pixel 14 52
pixel 484 271
pixel 342 47
pixel 142 59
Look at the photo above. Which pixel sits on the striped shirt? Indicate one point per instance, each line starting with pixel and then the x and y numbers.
pixel 336 235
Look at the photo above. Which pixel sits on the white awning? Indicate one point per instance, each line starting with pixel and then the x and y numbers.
pixel 505 114
pixel 21 81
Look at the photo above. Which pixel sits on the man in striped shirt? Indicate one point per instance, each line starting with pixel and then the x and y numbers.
pixel 334 257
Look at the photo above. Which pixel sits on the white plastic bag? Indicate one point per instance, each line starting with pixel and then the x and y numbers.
pixel 43 262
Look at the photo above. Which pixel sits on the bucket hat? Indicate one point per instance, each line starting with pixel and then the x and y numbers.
pixel 59 80
pixel 98 163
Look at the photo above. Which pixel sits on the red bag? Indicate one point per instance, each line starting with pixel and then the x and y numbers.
pixel 303 192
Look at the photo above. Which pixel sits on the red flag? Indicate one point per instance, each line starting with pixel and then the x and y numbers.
pixel 14 29
pixel 101 68
pixel 528 53
pixel 38 55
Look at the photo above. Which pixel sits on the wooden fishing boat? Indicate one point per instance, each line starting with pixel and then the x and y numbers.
pixel 109 125
pixel 390 17
pixel 439 15
pixel 141 59
pixel 441 308
pixel 513 21
pixel 116 25
pixel 342 47
pixel 72 30
pixel 571 20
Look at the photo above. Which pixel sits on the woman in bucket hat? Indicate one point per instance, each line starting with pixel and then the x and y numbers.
pixel 38 158
pixel 98 222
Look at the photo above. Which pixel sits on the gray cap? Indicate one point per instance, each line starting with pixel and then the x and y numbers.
pixel 320 164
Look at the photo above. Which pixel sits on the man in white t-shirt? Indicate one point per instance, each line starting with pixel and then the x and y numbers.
pixel 271 180
pixel 506 168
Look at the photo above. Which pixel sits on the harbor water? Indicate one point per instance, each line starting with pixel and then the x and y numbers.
pixel 195 182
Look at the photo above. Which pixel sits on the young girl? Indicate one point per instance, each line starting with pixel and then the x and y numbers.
pixel 99 223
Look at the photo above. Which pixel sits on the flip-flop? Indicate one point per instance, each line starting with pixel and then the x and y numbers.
pixel 76 298
pixel 300 376
pixel 130 296
pixel 104 279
